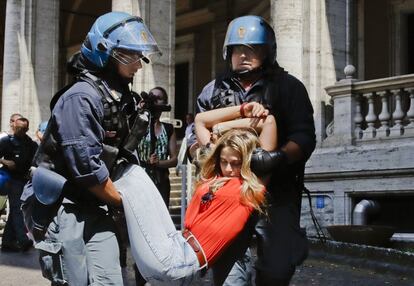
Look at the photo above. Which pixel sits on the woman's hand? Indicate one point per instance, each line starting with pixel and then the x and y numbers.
pixel 254 109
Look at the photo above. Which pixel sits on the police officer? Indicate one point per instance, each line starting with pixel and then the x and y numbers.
pixel 254 75
pixel 16 152
pixel 88 117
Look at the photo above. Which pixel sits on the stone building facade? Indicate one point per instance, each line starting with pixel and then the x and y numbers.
pixel 364 118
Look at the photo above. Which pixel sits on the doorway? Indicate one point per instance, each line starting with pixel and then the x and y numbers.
pixel 181 95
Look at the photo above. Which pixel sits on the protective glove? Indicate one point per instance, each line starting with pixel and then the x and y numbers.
pixel 263 162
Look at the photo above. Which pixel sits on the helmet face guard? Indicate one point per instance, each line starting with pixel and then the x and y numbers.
pixel 250 31
pixel 118 31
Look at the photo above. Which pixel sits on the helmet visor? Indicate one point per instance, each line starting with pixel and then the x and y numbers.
pixel 133 35
pixel 128 57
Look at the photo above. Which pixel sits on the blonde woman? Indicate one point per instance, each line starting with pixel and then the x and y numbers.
pixel 226 195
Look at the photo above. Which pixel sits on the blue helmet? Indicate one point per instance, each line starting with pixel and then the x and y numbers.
pixel 250 30
pixel 117 30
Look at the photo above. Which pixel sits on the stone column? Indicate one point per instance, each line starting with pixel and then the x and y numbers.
pixel 46 53
pixel 287 20
pixel 30 59
pixel 159 16
pixel 128 6
pixel 11 64
pixel 311 40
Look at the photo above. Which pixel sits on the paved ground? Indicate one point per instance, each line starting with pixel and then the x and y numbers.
pixel 22 269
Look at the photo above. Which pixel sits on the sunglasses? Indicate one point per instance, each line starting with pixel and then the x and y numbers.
pixel 207 197
pixel 127 59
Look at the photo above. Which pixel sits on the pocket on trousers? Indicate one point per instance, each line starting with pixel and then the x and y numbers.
pixel 300 247
pixel 51 261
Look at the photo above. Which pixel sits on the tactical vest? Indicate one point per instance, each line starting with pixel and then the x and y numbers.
pixel 224 96
pixel 114 123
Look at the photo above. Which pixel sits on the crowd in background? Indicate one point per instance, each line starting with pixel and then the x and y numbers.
pixel 17 150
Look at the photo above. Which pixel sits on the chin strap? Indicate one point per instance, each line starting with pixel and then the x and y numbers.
pixel 248 74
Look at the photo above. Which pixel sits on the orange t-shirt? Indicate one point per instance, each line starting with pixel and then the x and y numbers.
pixel 217 223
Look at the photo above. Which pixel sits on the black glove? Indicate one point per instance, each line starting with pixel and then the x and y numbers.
pixel 263 162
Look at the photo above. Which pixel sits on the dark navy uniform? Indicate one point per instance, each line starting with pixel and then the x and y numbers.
pixel 82 234
pixel 82 148
pixel 281 243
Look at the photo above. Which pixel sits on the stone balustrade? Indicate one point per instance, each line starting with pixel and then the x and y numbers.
pixel 371 110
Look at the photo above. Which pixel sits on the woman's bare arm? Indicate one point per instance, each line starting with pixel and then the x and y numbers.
pixel 206 120
pixel 266 127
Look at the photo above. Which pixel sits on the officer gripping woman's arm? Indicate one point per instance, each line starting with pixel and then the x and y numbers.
pixel 253 74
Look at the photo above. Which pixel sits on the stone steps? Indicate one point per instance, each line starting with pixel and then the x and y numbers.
pixel 3 218
pixel 175 197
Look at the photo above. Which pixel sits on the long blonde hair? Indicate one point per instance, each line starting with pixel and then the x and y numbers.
pixel 244 141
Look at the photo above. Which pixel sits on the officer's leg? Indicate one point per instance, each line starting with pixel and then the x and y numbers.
pixel 102 250
pixel 281 245
pixel 63 253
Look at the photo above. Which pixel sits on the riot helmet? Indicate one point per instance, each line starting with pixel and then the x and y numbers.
pixel 115 32
pixel 250 30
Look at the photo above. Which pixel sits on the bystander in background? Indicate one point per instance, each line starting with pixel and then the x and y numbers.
pixel 40 131
pixel 16 152
pixel 13 118
pixel 157 150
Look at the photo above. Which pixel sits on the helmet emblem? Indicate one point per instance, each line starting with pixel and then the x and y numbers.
pixel 241 31
pixel 144 37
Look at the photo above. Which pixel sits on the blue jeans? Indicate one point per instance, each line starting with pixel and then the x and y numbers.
pixel 161 253
pixel 15 229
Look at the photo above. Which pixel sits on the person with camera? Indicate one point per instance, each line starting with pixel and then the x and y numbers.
pixel 81 152
pixel 157 150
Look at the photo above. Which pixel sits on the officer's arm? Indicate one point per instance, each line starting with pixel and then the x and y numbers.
pixel 78 126
pixel 301 139
pixel 107 193
pixel 300 134
pixel 293 152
